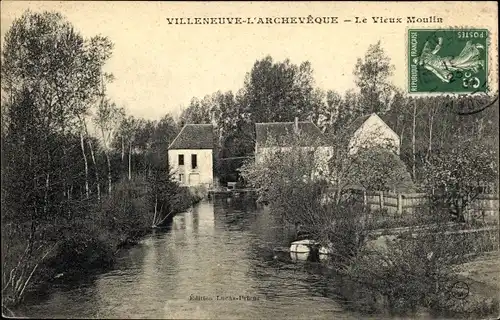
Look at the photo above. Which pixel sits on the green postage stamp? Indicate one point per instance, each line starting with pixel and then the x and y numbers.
pixel 447 60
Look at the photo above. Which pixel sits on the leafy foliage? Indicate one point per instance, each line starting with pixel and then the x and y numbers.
pixel 51 76
pixel 278 91
pixel 282 174
pixel 44 55
pixel 381 169
pixel 372 78
pixel 198 111
pixel 416 270
pixel 455 176
pixel 52 167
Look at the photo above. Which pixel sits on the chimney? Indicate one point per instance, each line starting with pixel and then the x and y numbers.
pixel 296 128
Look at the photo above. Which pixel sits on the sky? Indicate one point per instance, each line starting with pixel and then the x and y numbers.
pixel 159 66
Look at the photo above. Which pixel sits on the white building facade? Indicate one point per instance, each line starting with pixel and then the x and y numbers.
pixel 374 132
pixel 192 167
pixel 190 156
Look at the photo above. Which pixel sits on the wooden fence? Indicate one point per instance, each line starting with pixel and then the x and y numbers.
pixel 401 204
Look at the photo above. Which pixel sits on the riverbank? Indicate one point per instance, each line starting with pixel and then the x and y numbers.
pixel 398 272
pixel 100 255
pixel 482 275
pixel 440 276
pixel 476 293
pixel 218 248
pixel 156 278
pixel 91 241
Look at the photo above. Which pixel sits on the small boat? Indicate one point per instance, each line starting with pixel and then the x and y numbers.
pixel 302 250
pixel 299 256
pixel 302 246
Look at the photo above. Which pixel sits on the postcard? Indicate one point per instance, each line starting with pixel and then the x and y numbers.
pixel 250 160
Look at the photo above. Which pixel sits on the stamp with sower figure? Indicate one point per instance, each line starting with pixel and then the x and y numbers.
pixel 447 60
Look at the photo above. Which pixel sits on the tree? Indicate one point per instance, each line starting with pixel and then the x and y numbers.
pixel 108 118
pixel 278 91
pixel 83 132
pixel 455 176
pixel 197 111
pixel 297 184
pixel 46 56
pixel 144 142
pixel 236 147
pixel 50 77
pixel 289 179
pixel 127 132
pixel 328 112
pixel 372 77
pixel 164 133
pixel 235 136
pixel 350 107
pixel 227 113
pixel 320 110
pixel 431 114
pixel 162 187
pixel 398 115
pixel 272 91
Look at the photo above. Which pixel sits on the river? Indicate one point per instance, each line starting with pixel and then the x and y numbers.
pixel 216 261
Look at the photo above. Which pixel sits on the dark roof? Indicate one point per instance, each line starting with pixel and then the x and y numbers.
pixel 194 136
pixel 281 132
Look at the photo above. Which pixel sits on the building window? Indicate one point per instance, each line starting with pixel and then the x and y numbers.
pixel 181 159
pixel 181 177
pixel 194 162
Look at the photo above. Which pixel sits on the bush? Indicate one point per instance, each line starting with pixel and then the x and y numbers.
pixel 90 240
pixel 344 232
pixel 126 213
pixel 455 176
pixel 167 197
pixel 197 193
pixel 290 182
pixel 381 169
pixel 415 270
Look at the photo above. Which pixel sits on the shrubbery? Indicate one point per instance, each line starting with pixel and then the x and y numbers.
pixel 91 238
pixel 120 219
pixel 416 270
pixel 382 170
pixel 410 272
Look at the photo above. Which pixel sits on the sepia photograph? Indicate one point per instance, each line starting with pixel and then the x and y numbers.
pixel 250 160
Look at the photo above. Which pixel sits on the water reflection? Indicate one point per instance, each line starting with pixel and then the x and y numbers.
pixel 217 249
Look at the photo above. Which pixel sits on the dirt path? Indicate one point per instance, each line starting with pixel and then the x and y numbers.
pixel 483 274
